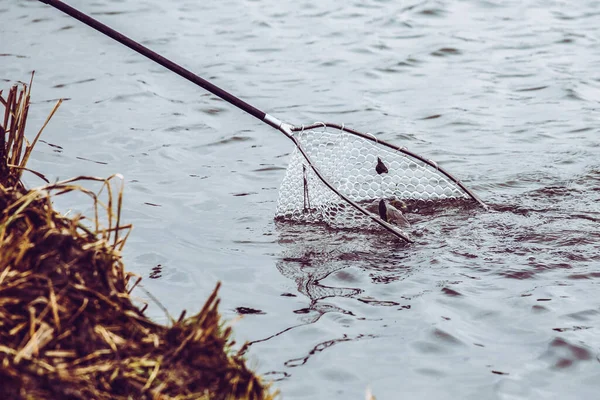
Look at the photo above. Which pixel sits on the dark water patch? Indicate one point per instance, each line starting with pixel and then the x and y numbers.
pixel 511 208
pixel 539 309
pixel 464 254
pixel 435 116
pixel 563 16
pixel 12 55
pixel 55 146
pixel 400 66
pixel 156 272
pixel 432 12
pixel 550 192
pixel 572 94
pixel 243 194
pixel 331 111
pixel 231 140
pixel 532 270
pixel 213 110
pixel 443 336
pixel 531 89
pixel 331 63
pixel 499 372
pixel 409 62
pixel 110 13
pixel 591 275
pixel 186 128
pixel 126 98
pixel 584 315
pixel 249 311
pixel 566 40
pixel 62 85
pixel 94 161
pixel 264 50
pixel 157 42
pixel 345 276
pixel 438 208
pixel 514 75
pixel 375 302
pixel 446 51
pixel 303 311
pixel 269 168
pixel 581 130
pixel 462 123
pixel 152 204
pixel 563 354
pixel 451 292
pixel 428 348
pixel 572 329
pixel 381 46
pixel 518 274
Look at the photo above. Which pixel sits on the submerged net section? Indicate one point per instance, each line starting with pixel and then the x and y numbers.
pixel 361 168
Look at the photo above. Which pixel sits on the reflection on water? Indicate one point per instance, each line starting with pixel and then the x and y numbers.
pixel 536 232
pixel 503 94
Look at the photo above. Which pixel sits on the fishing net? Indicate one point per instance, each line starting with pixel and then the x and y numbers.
pixel 333 175
pixel 362 169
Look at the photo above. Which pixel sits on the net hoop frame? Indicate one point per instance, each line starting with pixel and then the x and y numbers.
pixel 289 131
pixel 404 150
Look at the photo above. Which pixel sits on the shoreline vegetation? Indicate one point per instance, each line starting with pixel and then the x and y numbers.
pixel 68 326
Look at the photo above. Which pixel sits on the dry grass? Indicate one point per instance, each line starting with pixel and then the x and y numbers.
pixel 68 327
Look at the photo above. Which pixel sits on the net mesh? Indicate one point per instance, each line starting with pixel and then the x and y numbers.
pixel 348 162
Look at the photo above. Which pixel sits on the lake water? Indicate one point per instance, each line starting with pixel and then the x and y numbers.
pixel 504 94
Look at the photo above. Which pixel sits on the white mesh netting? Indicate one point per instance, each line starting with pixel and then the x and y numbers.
pixel 349 162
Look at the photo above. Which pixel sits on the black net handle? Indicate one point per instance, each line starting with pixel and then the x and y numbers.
pixel 179 70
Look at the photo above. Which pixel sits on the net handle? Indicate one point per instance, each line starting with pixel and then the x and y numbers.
pixel 403 150
pixel 165 62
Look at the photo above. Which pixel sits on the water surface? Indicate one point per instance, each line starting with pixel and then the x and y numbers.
pixel 504 94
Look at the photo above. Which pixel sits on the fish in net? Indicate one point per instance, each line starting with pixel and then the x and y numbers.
pixel 375 176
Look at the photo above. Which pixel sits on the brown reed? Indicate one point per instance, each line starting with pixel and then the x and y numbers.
pixel 68 326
